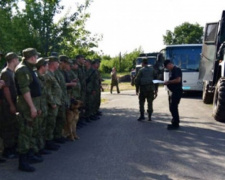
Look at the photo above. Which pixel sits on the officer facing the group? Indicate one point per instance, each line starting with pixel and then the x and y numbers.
pixel 175 90
pixel 145 88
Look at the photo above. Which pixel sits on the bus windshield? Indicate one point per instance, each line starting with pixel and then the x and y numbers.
pixel 186 60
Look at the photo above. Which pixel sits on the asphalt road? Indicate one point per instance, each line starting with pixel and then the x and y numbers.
pixel 118 147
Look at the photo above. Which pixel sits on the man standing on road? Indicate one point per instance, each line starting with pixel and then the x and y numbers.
pixel 2 83
pixel 132 76
pixel 9 125
pixel 29 93
pixel 174 86
pixel 145 88
pixel 54 100
pixel 114 81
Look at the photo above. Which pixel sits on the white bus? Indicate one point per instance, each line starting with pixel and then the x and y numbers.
pixel 187 57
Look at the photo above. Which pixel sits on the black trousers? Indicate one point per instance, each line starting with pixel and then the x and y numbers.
pixel 174 100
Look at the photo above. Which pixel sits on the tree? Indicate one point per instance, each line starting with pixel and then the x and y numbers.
pixel 127 61
pixel 186 33
pixel 35 27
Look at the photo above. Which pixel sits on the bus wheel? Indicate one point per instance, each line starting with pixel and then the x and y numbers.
pixel 207 97
pixel 219 101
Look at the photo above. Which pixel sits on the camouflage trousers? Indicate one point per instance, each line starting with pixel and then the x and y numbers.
pixel 143 95
pixel 90 105
pixel 9 127
pixel 98 101
pixel 60 122
pixel 28 126
pixel 117 88
pixel 50 123
pixel 26 140
pixel 39 129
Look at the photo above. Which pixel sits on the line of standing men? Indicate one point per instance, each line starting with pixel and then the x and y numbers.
pixel 35 97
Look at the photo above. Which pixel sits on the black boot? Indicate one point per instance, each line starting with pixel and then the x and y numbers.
pixel 142 117
pixel 24 164
pixel 34 158
pixel 60 140
pixel 51 146
pixel 2 160
pixel 44 152
pixel 149 117
pixel 9 153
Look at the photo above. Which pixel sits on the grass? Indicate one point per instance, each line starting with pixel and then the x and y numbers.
pixel 103 100
pixel 108 76
pixel 122 86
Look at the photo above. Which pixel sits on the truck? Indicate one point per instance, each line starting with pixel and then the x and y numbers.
pixel 187 57
pixel 212 66
pixel 155 59
pixel 152 57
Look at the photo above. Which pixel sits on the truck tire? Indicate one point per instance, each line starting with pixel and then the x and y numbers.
pixel 219 101
pixel 207 97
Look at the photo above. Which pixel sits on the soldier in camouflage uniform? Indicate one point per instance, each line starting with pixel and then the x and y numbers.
pixel 2 83
pixel 54 101
pixel 145 88
pixel 114 81
pixel 65 68
pixel 62 76
pixel 73 73
pixel 96 65
pixel 82 78
pixel 28 105
pixel 42 67
pixel 9 125
pixel 91 92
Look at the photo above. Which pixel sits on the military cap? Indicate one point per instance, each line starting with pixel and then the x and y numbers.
pixel 41 62
pixel 29 52
pixel 63 58
pixel 74 61
pixel 88 61
pixel 11 55
pixel 79 56
pixel 96 61
pixel 54 54
pixel 53 59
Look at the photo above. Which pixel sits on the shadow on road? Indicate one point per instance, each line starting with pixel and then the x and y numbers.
pixel 193 95
pixel 119 147
pixel 158 149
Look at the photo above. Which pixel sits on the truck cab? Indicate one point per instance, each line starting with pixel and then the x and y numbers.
pixel 212 67
pixel 154 59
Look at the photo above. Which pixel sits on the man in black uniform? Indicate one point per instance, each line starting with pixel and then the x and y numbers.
pixel 174 86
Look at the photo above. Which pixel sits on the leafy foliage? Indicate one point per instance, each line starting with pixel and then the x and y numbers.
pixel 186 33
pixel 125 65
pixel 34 26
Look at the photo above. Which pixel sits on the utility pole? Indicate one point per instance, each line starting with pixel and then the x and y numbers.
pixel 120 61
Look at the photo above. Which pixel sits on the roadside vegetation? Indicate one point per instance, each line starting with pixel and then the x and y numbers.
pixel 122 85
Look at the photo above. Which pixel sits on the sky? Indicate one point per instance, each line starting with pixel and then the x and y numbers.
pixel 130 24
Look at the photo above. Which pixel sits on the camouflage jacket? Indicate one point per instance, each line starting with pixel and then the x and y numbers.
pixel 82 77
pixel 75 90
pixel 53 90
pixel 27 81
pixel 44 105
pixel 91 81
pixel 62 83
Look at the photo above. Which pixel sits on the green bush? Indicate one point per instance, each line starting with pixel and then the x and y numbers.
pixel 125 65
